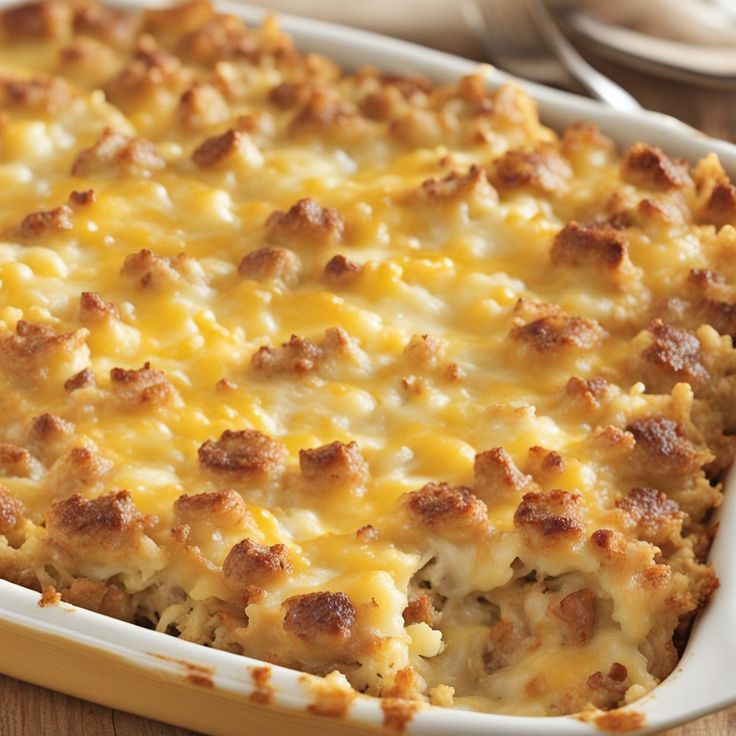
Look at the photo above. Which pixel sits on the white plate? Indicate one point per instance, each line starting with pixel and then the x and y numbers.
pixel 702 682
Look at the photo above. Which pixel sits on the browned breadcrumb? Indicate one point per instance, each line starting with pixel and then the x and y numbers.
pixel 557 332
pixel 286 95
pixel 674 355
pixel 40 94
pixel 549 518
pixel 655 517
pixel 221 37
pixel 76 471
pixel 28 355
pixel 221 508
pixel 149 68
pixel 319 616
pixel 457 186
pixel 218 149
pixel 419 611
pixel 720 207
pixel 148 270
pixel 367 533
pixel 407 685
pixel 83 198
pixel 306 221
pixel 542 463
pixel 11 511
pixel 141 386
pixel 49 597
pixel 340 272
pixel 45 223
pixel 246 452
pixel 108 599
pixel 609 689
pixel 663 449
pixel 591 391
pixel 649 167
pixel 249 563
pixel 18 462
pixel 541 168
pixel 425 352
pixel 496 475
pixel 324 110
pixel 94 309
pixel 577 614
pixel 337 465
pixel 178 19
pixel 582 137
pixel 115 152
pixel 598 246
pixel 116 26
pixel 202 106
pixel 48 428
pixel 444 506
pixel 108 523
pixel 267 264
pixel 48 19
pixel 83 379
pixel 300 355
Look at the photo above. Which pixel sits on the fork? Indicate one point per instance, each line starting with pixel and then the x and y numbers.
pixel 523 38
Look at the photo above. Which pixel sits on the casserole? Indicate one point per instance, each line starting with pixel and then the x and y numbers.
pixel 199 676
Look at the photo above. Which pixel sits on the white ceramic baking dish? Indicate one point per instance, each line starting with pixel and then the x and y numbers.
pixel 131 668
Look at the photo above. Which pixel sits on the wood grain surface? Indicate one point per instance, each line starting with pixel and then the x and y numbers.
pixel 31 711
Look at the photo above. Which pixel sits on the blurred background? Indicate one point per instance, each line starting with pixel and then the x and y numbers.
pixel 673 56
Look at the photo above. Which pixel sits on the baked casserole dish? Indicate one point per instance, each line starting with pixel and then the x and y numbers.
pixel 355 373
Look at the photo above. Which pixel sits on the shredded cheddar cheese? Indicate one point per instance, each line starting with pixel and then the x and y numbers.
pixel 354 373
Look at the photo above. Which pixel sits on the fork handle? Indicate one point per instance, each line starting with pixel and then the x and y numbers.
pixel 599 86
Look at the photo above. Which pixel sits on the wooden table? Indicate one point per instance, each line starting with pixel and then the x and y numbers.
pixel 32 711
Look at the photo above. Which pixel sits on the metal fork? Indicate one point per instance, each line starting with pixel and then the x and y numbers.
pixel 523 38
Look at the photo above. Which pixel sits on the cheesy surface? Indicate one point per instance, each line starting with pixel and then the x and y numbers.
pixel 352 372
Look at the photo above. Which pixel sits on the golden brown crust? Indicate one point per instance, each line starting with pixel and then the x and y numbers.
pixel 456 186
pixel 48 19
pixel 49 428
pixel 655 517
pixel 83 379
pixel 148 69
pixel 245 452
pixel 82 198
pixel 35 348
pixel 557 332
pixel 202 106
pixel 425 352
pixel 148 270
pixel 76 471
pixel 497 475
pixel 445 507
pixel 663 449
pixel 249 563
pixel 110 522
pixel 11 511
pixel 141 387
pixel 306 221
pixel 608 689
pixel 674 355
pixel 577 614
pixel 599 246
pixel 116 26
pixel 223 508
pixel 320 616
pixel 540 168
pixel 323 111
pixel 105 598
pixel 17 462
pixel 584 136
pixel 649 167
pixel 44 223
pixel 548 519
pixel 94 309
pixel 218 149
pixel 720 207
pixel 267 264
pixel 419 611
pixel 115 152
pixel 40 94
pixel 590 391
pixel 300 355
pixel 340 272
pixel 336 465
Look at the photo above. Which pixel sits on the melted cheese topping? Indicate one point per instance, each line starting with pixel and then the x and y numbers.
pixel 354 372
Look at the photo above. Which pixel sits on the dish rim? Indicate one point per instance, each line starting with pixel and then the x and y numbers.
pixel 702 682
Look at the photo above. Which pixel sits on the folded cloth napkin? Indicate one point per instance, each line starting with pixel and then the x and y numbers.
pixel 710 22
